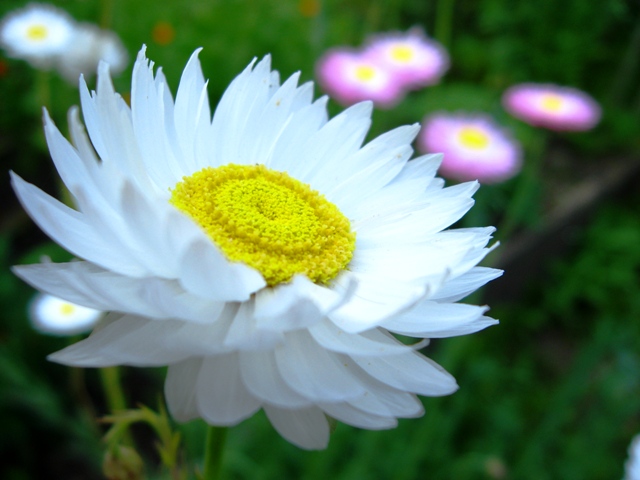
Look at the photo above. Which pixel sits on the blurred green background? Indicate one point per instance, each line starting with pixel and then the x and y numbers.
pixel 553 392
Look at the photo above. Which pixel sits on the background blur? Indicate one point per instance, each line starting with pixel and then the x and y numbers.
pixel 553 392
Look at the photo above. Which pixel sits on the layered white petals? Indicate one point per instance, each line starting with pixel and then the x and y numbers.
pixel 91 286
pixel 141 342
pixel 438 320
pixel 221 395
pixel 307 428
pixel 300 351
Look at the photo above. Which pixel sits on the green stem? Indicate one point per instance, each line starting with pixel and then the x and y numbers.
pixel 112 389
pixel 444 21
pixel 214 449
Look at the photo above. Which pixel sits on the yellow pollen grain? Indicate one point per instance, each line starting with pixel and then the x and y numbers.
pixel 472 137
pixel 37 32
pixel 402 53
pixel 268 220
pixel 365 73
pixel 66 309
pixel 551 102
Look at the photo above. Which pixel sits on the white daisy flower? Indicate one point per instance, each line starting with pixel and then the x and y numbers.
pixel 49 314
pixel 265 255
pixel 88 47
pixel 37 33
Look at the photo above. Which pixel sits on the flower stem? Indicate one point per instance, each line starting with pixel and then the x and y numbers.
pixel 214 449
pixel 112 389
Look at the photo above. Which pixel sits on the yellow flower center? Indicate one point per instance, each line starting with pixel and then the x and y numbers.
pixel 66 309
pixel 268 220
pixel 365 73
pixel 402 53
pixel 551 103
pixel 37 32
pixel 472 137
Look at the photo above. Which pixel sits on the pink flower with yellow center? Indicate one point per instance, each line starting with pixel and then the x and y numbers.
pixel 411 58
pixel 552 106
pixel 350 77
pixel 474 147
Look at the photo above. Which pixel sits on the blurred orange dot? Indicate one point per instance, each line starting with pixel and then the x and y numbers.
pixel 163 33
pixel 309 8
pixel 4 68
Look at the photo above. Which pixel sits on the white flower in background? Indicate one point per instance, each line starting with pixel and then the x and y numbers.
pixel 37 33
pixel 265 255
pixel 632 465
pixel 49 314
pixel 88 47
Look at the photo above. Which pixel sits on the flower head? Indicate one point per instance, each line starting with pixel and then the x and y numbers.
pixel 351 77
pixel 55 316
pixel 88 47
pixel 632 465
pixel 265 255
pixel 474 147
pixel 411 58
pixel 552 107
pixel 37 33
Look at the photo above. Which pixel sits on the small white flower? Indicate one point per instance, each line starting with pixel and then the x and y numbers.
pixel 265 254
pixel 37 33
pixel 53 315
pixel 88 47
pixel 632 465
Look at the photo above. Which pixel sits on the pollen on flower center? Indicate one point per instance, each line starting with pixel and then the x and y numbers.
pixel 402 53
pixel 66 309
pixel 551 103
pixel 365 73
pixel 37 32
pixel 268 220
pixel 472 137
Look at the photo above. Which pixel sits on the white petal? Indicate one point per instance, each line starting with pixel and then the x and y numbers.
pixel 458 288
pixel 438 320
pixel 91 286
pixel 137 341
pixel 262 378
pixel 307 428
pixel 297 304
pixel 315 372
pixel 353 416
pixel 329 336
pixel 206 272
pixel 148 111
pixel 411 372
pixel 70 229
pixel 376 298
pixel 245 333
pixel 180 389
pixel 221 395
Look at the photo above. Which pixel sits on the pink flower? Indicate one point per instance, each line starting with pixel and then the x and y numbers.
pixel 350 77
pixel 413 59
pixel 551 106
pixel 474 147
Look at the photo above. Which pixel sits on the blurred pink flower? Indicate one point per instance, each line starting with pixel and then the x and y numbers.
pixel 411 58
pixel 552 106
pixel 350 77
pixel 474 147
